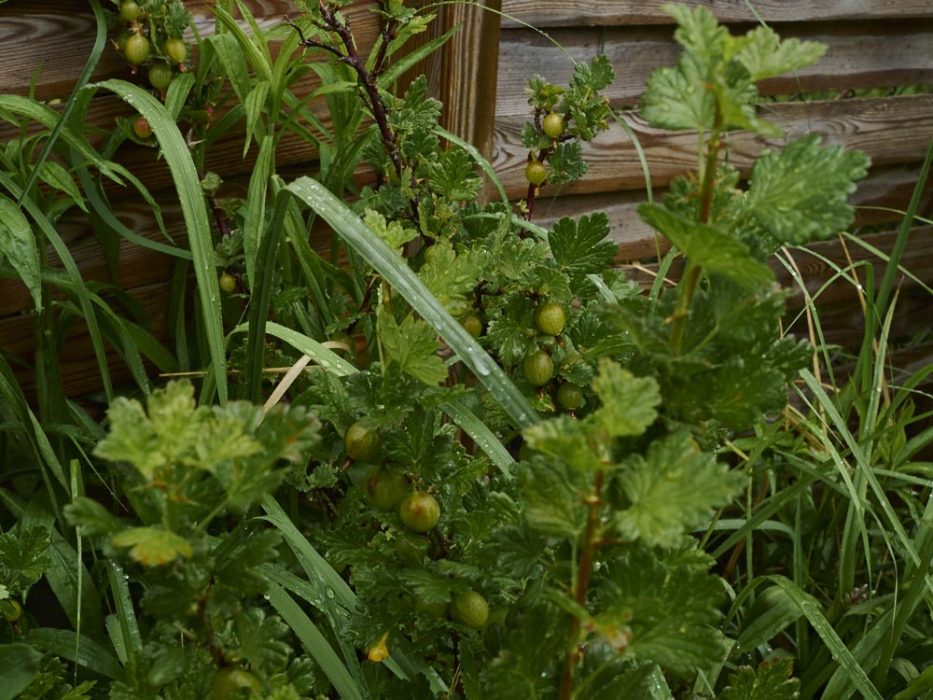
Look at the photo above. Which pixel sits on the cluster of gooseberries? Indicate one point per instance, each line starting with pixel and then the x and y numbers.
pixel 387 489
pixel 142 32
pixel 538 367
pixel 553 126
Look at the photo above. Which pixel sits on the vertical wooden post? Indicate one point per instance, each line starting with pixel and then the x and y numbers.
pixel 463 74
pixel 470 64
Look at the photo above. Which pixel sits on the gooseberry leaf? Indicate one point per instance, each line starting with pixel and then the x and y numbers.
pixel 453 175
pixel 629 402
pixel 394 234
pixel 24 557
pixel 566 163
pixel 570 441
pixel 800 194
pixel 413 345
pixel 709 247
pixel 152 546
pixel 764 55
pixel 770 681
pixel 552 504
pixel 579 246
pixel 661 609
pixel 449 276
pixel 596 75
pixel 672 489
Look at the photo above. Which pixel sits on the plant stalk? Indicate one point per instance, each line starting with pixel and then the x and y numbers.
pixel 692 276
pixel 584 571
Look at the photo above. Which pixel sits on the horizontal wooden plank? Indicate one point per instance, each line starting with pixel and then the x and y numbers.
pixel 50 42
pixel 575 13
pixel 818 264
pixel 884 190
pixel 892 131
pixel 860 55
pixel 77 363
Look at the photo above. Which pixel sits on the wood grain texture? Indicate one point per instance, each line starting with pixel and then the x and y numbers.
pixel 576 13
pixel 860 55
pixel 891 131
pixel 884 190
pixel 470 63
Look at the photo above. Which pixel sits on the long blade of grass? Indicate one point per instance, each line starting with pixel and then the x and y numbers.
pixel 863 466
pixel 125 612
pixel 333 363
pixel 100 43
pixel 71 268
pixel 105 212
pixel 840 652
pixel 316 644
pixel 399 67
pixel 261 284
pixel 887 282
pixel 188 188
pixel 397 273
pixel 91 656
pixel 256 212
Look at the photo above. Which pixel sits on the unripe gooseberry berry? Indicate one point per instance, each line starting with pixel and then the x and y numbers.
pixel 472 324
pixel 569 396
pixel 175 49
pixel 228 683
pixel 469 609
pixel 137 49
pixel 419 511
pixel 386 488
pixel 550 318
pixel 141 128
pixel 535 172
pixel 160 76
pixel 227 283
pixel 553 125
pixel 130 11
pixel 538 368
pixel 361 442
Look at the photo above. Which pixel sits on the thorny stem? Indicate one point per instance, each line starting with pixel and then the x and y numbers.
pixel 693 272
pixel 584 570
pixel 353 59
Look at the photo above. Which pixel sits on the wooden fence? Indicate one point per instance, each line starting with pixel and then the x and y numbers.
pixel 481 75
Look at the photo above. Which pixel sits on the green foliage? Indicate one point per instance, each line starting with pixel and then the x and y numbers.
pixel 801 194
pixel 24 558
pixel 713 85
pixel 583 569
pixel 672 489
pixel 770 681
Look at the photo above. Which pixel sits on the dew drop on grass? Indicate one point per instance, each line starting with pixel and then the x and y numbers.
pixel 330 593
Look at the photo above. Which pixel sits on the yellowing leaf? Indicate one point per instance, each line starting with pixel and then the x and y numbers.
pixel 151 546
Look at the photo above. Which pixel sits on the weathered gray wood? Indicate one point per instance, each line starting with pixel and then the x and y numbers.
pixel 577 13
pixel 860 55
pixel 892 131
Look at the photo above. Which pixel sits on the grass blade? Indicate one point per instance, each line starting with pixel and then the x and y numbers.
pixel 188 187
pixel 62 643
pixel 811 610
pixel 316 644
pixel 100 43
pixel 397 273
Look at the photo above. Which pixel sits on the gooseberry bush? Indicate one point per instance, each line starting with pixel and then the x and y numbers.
pixel 491 481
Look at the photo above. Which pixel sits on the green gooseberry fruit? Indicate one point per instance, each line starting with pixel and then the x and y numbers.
pixel 419 511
